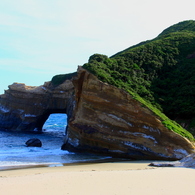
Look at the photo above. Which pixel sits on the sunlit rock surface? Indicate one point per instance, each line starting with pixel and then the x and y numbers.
pixel 101 118
pixel 108 120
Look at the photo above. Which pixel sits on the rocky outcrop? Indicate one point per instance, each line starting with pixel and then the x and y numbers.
pixel 101 118
pixel 188 162
pixel 109 121
pixel 26 108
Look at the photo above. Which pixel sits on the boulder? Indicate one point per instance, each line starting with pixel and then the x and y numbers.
pixel 34 142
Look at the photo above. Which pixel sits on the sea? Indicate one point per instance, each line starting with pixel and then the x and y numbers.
pixel 15 153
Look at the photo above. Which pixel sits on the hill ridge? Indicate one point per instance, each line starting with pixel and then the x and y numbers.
pixel 161 71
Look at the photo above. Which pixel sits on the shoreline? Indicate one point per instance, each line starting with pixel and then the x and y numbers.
pixel 110 178
pixel 41 165
pixel 98 165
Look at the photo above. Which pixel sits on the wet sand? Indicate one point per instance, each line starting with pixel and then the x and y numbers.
pixel 109 178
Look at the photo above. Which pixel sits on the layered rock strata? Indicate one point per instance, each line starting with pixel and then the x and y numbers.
pixel 108 120
pixel 26 108
pixel 101 118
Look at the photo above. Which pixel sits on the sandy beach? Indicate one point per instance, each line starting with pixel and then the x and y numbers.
pixel 116 178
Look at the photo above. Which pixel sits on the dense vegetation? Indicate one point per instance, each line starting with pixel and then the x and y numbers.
pixel 159 72
pixel 59 79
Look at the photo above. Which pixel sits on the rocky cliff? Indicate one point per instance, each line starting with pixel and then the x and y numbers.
pixel 108 120
pixel 101 118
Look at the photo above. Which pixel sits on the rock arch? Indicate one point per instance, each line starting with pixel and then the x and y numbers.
pixel 42 118
pixel 27 108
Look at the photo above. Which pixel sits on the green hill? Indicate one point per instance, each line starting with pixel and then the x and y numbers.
pixel 159 72
pixel 181 26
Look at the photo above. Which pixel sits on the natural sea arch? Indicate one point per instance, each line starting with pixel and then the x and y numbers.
pixel 56 122
pixel 50 114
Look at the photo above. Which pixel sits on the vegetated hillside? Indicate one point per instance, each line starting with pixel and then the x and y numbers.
pixel 161 71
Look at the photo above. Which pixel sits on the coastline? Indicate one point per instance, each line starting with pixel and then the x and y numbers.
pixel 124 177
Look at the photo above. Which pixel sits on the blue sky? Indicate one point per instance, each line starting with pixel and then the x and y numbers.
pixel 42 38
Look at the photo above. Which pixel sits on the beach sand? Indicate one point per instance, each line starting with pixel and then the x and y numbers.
pixel 115 178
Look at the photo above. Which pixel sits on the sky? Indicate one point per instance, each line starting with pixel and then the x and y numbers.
pixel 43 38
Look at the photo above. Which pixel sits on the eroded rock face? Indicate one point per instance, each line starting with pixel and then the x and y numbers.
pixel 101 118
pixel 109 121
pixel 26 108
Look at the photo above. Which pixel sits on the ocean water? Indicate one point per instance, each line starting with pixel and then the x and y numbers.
pixel 13 151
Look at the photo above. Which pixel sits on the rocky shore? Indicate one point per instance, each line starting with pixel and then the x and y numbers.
pixel 188 162
pixel 101 118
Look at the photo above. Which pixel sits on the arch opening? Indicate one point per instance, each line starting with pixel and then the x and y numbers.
pixel 44 117
pixel 56 122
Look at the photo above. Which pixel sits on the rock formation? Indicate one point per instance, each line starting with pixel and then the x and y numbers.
pixel 108 120
pixel 101 118
pixel 33 142
pixel 26 108
pixel 188 162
